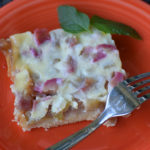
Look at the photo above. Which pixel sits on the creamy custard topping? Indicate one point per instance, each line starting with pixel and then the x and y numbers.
pixel 61 69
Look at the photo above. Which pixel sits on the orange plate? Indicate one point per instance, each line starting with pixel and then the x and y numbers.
pixel 132 133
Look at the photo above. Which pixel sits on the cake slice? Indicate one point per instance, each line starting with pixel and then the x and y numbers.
pixel 59 77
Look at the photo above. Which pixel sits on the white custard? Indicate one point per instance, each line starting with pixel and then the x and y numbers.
pixel 84 68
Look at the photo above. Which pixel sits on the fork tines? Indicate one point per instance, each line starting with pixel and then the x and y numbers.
pixel 138 85
pixel 138 77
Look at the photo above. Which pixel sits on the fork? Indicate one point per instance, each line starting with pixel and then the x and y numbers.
pixel 121 101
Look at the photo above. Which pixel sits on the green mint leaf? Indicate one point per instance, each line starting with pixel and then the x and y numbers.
pixel 71 20
pixel 112 27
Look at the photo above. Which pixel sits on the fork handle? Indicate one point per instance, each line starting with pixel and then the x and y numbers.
pixel 70 141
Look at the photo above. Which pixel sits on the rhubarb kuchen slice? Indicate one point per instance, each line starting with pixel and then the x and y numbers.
pixel 59 77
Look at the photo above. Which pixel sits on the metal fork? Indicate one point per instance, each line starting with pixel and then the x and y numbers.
pixel 122 100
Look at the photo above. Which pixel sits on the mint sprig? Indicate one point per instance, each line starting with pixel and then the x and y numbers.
pixel 74 21
pixel 112 27
pixel 71 20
